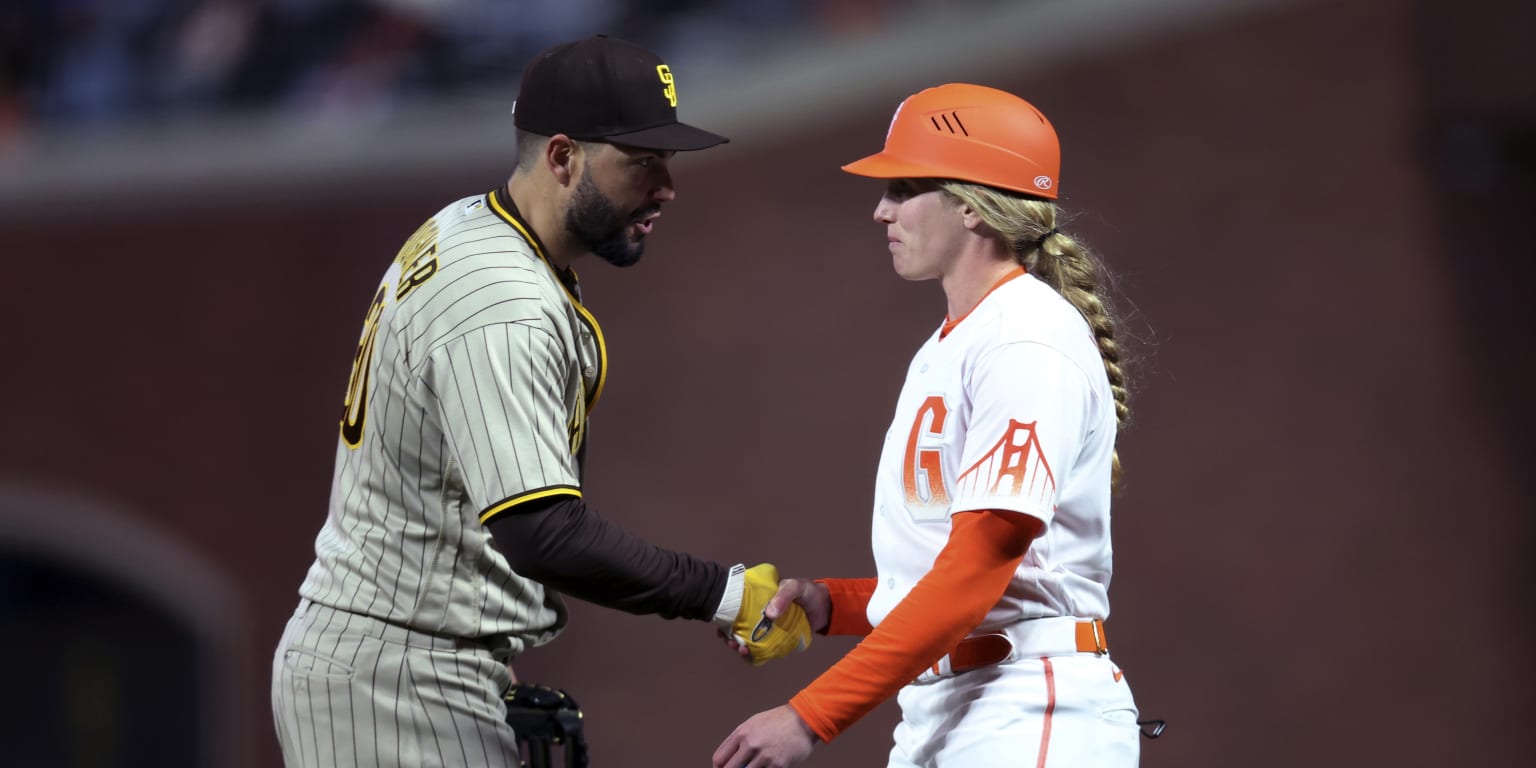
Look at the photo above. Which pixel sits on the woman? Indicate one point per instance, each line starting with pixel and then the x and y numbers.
pixel 991 516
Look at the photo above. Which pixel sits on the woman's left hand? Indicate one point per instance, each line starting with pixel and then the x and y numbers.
pixel 777 738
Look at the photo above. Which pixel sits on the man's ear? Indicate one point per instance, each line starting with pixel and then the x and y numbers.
pixel 560 156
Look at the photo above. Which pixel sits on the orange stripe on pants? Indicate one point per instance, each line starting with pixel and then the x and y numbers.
pixel 1050 706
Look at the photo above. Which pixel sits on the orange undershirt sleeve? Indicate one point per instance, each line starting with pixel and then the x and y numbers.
pixel 968 578
pixel 850 604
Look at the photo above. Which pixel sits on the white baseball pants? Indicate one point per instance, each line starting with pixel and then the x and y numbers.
pixel 1071 711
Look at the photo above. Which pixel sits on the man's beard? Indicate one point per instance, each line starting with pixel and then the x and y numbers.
pixel 598 224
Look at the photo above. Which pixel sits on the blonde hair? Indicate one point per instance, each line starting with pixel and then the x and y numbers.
pixel 1028 225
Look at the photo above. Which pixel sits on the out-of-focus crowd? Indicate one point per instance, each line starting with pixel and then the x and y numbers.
pixel 74 63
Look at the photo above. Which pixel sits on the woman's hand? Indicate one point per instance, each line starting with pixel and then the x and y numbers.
pixel 777 738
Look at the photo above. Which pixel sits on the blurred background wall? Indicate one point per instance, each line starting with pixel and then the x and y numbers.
pixel 1318 212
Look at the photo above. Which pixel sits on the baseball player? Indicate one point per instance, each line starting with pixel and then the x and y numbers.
pixel 991 510
pixel 457 519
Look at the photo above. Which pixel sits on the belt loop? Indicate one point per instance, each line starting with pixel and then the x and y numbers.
pixel 1101 645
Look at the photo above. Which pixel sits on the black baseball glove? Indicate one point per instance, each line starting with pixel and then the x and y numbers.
pixel 542 718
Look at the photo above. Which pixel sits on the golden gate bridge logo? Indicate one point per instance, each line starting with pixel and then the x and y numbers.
pixel 1014 467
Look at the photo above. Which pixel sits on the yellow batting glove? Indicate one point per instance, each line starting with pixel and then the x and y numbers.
pixel 765 639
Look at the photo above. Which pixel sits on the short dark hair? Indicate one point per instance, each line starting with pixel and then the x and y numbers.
pixel 530 146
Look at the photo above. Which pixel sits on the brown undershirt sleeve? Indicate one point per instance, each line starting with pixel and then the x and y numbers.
pixel 563 544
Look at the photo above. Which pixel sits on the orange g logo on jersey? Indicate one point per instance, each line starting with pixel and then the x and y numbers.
pixel 922 471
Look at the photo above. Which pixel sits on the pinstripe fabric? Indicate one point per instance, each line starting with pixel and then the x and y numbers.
pixel 478 376
pixel 349 690
pixel 470 390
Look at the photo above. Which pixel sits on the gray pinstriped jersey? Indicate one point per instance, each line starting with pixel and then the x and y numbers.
pixel 469 395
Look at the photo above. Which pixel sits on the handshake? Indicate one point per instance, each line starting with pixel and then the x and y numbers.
pixel 743 618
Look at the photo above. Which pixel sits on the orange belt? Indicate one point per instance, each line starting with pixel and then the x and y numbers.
pixel 983 650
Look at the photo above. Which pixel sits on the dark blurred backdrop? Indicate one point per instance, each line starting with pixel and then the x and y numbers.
pixel 1317 211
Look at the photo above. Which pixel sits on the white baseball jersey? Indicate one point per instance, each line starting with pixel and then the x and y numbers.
pixel 1011 410
pixel 469 395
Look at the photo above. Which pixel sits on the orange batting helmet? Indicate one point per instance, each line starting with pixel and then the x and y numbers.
pixel 969 133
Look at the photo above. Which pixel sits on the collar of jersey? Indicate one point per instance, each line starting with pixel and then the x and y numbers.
pixel 950 323
pixel 502 204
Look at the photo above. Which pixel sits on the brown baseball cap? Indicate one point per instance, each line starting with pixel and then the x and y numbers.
pixel 602 88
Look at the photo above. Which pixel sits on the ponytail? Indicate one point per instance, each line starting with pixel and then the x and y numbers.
pixel 1029 226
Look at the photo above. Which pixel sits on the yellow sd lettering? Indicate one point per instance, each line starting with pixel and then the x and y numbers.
pixel 666 79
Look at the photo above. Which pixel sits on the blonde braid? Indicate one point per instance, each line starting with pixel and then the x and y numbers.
pixel 1029 226
pixel 1069 268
